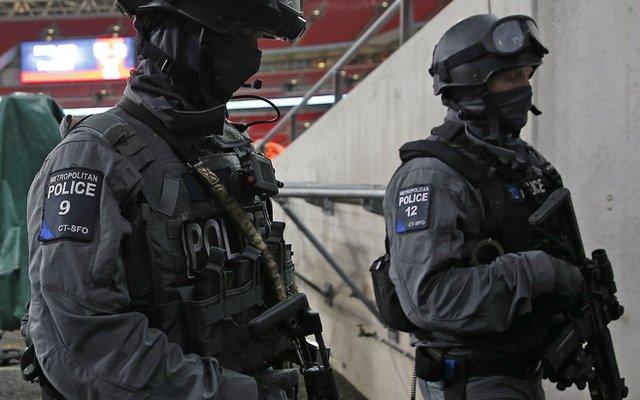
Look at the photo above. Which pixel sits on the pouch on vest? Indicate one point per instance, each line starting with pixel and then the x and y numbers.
pixel 282 253
pixel 386 297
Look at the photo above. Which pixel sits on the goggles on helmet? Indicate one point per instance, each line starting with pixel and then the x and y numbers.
pixel 508 36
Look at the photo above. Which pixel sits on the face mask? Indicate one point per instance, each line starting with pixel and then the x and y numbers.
pixel 512 108
pixel 226 64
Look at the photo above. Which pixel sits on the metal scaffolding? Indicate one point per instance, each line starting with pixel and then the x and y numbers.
pixel 30 9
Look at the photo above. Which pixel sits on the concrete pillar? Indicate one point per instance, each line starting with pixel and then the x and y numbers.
pixel 589 92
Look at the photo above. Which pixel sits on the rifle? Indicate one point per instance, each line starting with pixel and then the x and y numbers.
pixel 581 351
pixel 291 316
pixel 294 319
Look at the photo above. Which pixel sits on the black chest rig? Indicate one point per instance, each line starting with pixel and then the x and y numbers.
pixel 188 268
pixel 509 195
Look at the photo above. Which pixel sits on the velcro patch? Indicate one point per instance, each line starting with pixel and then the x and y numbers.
pixel 71 205
pixel 413 208
pixel 515 195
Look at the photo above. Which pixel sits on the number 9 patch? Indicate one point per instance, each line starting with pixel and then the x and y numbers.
pixel 413 208
pixel 71 202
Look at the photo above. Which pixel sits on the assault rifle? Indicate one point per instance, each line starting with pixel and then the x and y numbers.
pixel 581 350
pixel 294 319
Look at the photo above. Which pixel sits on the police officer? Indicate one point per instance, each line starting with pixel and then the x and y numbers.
pixel 143 282
pixel 465 263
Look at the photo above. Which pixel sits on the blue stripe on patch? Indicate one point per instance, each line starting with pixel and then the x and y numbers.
pixel 45 232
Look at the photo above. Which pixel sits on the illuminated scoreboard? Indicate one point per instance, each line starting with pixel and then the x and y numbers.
pixel 78 60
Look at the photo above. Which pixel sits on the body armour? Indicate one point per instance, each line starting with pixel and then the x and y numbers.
pixel 509 195
pixel 188 269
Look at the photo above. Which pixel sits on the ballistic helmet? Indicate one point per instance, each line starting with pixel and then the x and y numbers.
pixel 281 19
pixel 476 48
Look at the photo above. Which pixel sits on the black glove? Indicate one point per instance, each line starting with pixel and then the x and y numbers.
pixel 274 384
pixel 570 285
pixel 569 292
pixel 577 370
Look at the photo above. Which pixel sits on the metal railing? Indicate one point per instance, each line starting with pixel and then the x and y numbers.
pixel 341 191
pixel 352 194
pixel 325 195
pixel 355 290
pixel 404 7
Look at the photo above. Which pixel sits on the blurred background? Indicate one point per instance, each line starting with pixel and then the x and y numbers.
pixel 353 89
pixel 63 49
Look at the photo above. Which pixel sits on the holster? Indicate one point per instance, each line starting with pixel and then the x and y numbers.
pixel 433 365
pixel 32 372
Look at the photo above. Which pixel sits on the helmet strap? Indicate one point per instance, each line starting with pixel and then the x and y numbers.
pixel 491 114
pixel 205 76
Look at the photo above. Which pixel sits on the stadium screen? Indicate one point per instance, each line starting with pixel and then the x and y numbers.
pixel 78 60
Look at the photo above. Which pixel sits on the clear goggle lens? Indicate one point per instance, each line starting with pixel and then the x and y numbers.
pixel 508 37
pixel 295 5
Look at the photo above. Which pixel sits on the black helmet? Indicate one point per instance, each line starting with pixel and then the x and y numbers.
pixel 282 19
pixel 474 49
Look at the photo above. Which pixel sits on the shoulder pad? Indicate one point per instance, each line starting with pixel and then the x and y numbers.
pixel 66 125
pixel 121 138
pixel 108 125
pixel 449 155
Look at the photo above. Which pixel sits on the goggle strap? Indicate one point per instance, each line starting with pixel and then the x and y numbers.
pixel 462 57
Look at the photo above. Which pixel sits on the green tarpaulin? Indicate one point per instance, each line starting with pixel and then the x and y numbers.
pixel 28 132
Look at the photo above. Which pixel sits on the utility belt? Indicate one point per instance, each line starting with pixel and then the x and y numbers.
pixel 454 371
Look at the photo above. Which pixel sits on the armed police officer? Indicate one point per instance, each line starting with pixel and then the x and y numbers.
pixel 463 257
pixel 151 236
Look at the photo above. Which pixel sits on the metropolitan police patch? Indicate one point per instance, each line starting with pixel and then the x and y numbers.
pixel 413 208
pixel 71 205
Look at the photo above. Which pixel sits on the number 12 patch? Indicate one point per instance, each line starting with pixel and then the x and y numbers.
pixel 71 202
pixel 413 208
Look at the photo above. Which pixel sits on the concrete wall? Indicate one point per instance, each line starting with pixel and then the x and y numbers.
pixel 588 90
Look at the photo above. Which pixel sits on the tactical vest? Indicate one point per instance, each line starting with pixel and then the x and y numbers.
pixel 188 269
pixel 509 195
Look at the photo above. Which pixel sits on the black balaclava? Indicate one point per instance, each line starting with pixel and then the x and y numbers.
pixel 493 120
pixel 226 63
pixel 512 107
pixel 477 107
pixel 209 67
